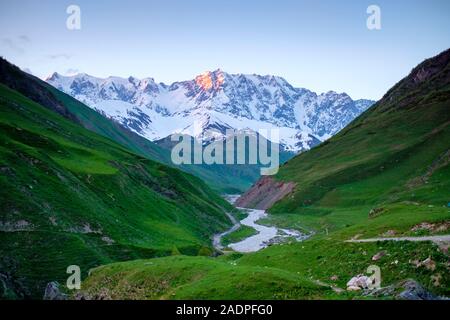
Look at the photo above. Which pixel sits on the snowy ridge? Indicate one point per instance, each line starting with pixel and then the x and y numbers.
pixel 216 101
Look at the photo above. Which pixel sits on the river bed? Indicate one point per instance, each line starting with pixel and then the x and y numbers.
pixel 267 235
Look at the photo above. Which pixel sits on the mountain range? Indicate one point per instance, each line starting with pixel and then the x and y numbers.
pixel 213 102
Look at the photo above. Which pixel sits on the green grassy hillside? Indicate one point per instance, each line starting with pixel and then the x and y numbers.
pixel 70 196
pixel 181 277
pixel 314 269
pixel 394 160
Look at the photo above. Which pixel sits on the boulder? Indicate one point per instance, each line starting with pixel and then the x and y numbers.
pixel 353 288
pixel 52 292
pixel 428 263
pixel 360 281
pixel 405 290
pixel 412 290
pixel 379 255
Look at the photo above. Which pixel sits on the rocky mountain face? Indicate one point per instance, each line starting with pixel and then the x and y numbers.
pixel 214 102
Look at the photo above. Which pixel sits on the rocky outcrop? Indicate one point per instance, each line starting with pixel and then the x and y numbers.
pixel 359 282
pixel 264 193
pixel 430 76
pixel 406 290
pixel 53 292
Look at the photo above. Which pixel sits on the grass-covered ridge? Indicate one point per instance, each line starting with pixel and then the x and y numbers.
pixel 70 196
pixel 393 160
pixel 180 277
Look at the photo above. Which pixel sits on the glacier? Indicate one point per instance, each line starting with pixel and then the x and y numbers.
pixel 213 102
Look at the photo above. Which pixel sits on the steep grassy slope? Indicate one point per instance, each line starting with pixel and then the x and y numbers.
pixel 386 174
pixel 70 196
pixel 229 178
pixel 393 159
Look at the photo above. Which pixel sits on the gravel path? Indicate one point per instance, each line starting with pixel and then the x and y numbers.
pixel 436 239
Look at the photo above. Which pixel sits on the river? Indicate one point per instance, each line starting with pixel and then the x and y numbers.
pixel 266 235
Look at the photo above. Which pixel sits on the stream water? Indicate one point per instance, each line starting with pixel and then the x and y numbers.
pixel 266 235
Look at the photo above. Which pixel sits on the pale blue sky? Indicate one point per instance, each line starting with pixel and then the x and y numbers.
pixel 320 45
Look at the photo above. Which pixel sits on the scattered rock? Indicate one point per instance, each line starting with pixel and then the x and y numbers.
pixel 360 282
pixel 444 247
pixel 81 296
pixel 415 263
pixel 334 278
pixel 52 292
pixel 353 288
pixel 375 212
pixel 102 294
pixel 405 290
pixel 378 256
pixel 21 225
pixel 414 291
pixel 389 233
pixel 356 236
pixel 436 280
pixel 429 264
pixel 85 229
pixel 53 221
pixel 432 227
pixel 108 240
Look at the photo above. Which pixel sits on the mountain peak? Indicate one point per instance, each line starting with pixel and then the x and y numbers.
pixel 433 72
pixel 53 77
pixel 210 80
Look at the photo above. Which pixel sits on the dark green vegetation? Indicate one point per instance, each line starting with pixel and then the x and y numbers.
pixel 392 161
pixel 383 175
pixel 231 178
pixel 71 196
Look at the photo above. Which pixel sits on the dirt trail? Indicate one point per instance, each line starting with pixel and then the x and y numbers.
pixel 435 239
pixel 218 237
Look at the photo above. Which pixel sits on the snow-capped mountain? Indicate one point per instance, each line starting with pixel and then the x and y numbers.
pixel 216 101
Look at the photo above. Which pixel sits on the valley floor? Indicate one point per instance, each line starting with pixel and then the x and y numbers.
pixel 317 268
